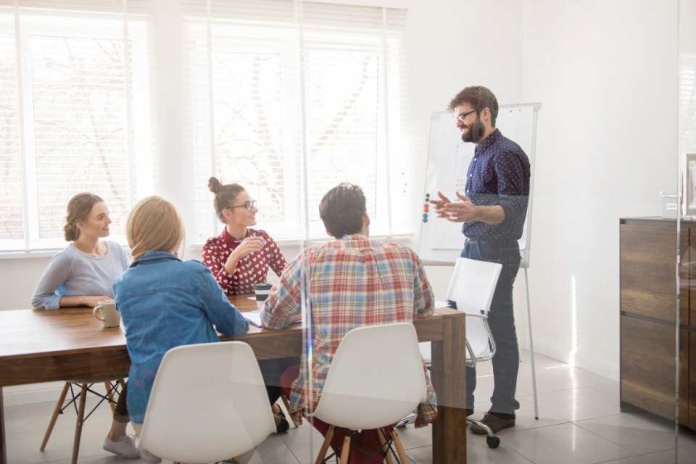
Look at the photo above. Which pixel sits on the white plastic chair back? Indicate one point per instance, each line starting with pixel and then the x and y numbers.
pixel 473 284
pixel 375 379
pixel 472 287
pixel 208 403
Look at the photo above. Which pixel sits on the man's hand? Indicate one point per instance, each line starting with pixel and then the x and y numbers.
pixel 440 205
pixel 460 211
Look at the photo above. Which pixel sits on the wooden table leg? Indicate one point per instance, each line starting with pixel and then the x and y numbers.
pixel 3 447
pixel 448 372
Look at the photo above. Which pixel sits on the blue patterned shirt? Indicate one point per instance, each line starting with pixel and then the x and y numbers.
pixel 498 175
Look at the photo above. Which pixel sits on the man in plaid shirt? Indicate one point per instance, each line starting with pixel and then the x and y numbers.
pixel 351 282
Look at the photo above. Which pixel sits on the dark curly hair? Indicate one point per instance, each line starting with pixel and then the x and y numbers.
pixel 478 98
pixel 342 210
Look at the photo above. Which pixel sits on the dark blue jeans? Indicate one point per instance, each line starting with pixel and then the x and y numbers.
pixel 502 322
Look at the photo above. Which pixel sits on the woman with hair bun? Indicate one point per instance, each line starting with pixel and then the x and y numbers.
pixel 239 259
pixel 82 273
pixel 240 256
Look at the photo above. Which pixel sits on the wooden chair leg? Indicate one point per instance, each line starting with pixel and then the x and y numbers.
pixel 325 445
pixel 110 394
pixel 78 424
pixel 399 447
pixel 383 442
pixel 54 417
pixel 345 450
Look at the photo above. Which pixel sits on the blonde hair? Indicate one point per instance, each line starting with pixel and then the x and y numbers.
pixel 78 210
pixel 154 224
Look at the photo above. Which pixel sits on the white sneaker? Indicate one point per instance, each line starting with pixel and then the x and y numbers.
pixel 148 457
pixel 124 447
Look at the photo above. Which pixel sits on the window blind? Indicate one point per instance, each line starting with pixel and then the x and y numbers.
pixel 295 97
pixel 74 78
pixel 687 104
pixel 287 98
pixel 11 206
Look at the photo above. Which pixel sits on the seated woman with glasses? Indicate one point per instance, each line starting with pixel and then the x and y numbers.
pixel 240 256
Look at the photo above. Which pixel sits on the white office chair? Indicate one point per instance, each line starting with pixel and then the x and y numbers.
pixel 376 377
pixel 208 404
pixel 471 288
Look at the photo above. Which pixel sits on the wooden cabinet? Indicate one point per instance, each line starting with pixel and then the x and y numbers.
pixel 649 297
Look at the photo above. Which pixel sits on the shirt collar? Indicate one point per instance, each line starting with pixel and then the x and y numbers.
pixel 230 240
pixel 355 240
pixel 488 141
pixel 151 256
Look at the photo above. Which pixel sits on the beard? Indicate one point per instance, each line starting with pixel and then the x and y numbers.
pixel 475 133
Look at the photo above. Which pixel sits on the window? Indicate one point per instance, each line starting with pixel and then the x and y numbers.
pixel 286 98
pixel 687 104
pixel 290 108
pixel 65 102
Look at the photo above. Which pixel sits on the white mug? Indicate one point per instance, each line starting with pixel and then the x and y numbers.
pixel 106 311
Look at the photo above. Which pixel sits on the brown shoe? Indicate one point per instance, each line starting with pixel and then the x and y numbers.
pixel 494 422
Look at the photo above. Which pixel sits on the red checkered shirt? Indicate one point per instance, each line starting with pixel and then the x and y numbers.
pixel 353 282
pixel 251 270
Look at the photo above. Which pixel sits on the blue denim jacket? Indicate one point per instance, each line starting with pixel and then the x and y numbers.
pixel 165 303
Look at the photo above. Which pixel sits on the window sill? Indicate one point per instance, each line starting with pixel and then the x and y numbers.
pixel 195 249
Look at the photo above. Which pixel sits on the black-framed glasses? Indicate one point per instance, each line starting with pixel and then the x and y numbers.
pixel 462 117
pixel 248 205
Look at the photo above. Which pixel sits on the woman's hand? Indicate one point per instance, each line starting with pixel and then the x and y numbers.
pixel 93 301
pixel 83 300
pixel 248 245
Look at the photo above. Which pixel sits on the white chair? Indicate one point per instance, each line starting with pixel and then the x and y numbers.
pixel 208 404
pixel 471 288
pixel 376 377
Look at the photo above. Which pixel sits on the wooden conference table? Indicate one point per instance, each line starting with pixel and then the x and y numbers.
pixel 44 346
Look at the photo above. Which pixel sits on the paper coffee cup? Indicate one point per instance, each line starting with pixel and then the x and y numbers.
pixel 106 311
pixel 262 291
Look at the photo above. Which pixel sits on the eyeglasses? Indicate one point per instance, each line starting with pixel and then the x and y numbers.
pixel 248 205
pixel 462 117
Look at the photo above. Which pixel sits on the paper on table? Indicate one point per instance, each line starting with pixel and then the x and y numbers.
pixel 253 317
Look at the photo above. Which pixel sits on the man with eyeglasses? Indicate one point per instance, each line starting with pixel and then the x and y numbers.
pixel 492 209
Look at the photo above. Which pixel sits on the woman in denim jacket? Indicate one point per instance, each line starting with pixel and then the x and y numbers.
pixel 165 302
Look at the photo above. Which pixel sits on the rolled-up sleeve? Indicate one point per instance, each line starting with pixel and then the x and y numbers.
pixel 284 300
pixel 423 298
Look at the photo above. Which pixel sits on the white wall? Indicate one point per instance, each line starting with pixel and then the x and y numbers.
pixel 606 73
